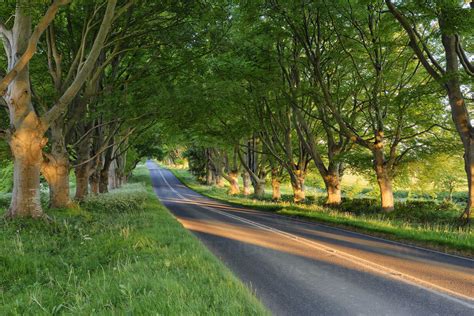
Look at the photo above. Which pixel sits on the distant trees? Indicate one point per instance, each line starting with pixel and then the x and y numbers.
pixel 317 83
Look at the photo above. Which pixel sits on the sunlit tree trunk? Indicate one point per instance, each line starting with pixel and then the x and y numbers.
pixel 219 181
pixel 333 188
pixel 233 178
pixel 27 139
pixel 276 183
pixel 297 184
pixel 26 145
pixel 383 179
pixel 56 169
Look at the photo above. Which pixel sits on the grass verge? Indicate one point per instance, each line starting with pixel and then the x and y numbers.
pixel 119 253
pixel 434 235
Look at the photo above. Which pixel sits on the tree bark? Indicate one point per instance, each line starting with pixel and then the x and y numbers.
pixel 56 169
pixel 276 183
pixel 460 114
pixel 104 172
pixel 297 184
pixel 104 180
pixel 94 182
pixel 26 145
pixel 259 189
pixel 113 179
pixel 246 183
pixel 333 188
pixel 449 80
pixel 82 181
pixel 233 179
pixel 121 163
pixel 83 166
pixel 210 180
pixel 383 179
pixel 219 181
pixel 276 192
pixel 56 173
pixel 27 139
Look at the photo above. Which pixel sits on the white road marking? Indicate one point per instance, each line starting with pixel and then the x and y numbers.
pixel 394 274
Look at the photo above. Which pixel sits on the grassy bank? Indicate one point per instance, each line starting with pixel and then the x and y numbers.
pixel 415 223
pixel 120 253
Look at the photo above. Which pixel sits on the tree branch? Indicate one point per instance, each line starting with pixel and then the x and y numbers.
pixel 32 44
pixel 61 105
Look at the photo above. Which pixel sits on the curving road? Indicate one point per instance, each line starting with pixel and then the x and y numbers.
pixel 304 268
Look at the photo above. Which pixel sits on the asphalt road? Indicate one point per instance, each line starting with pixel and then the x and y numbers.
pixel 302 268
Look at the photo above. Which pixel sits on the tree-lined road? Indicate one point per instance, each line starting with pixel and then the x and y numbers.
pixel 302 268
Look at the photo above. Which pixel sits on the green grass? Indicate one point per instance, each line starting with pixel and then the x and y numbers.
pixel 120 253
pixel 416 223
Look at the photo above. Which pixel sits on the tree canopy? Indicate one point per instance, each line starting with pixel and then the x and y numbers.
pixel 269 91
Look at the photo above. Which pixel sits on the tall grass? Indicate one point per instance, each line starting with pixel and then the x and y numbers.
pixel 118 253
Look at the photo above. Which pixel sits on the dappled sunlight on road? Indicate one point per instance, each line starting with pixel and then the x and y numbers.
pixel 348 251
pixel 205 202
pixel 261 238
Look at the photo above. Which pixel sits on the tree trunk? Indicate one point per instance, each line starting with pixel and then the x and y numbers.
pixel 450 80
pixel 333 189
pixel 56 173
pixel 82 181
pixel 104 180
pixel 82 167
pixel 219 180
pixel 297 183
pixel 26 146
pixel 459 112
pixel 94 177
pixel 112 174
pixel 233 179
pixel 94 181
pixel 210 180
pixel 259 189
pixel 298 193
pixel 27 139
pixel 276 183
pixel 246 183
pixel 104 172
pixel 56 170
pixel 383 179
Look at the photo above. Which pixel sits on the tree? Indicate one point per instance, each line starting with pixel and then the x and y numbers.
pixel 440 50
pixel 27 132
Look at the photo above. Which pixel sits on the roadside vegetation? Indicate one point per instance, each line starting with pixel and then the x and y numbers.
pixel 117 253
pixel 424 223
